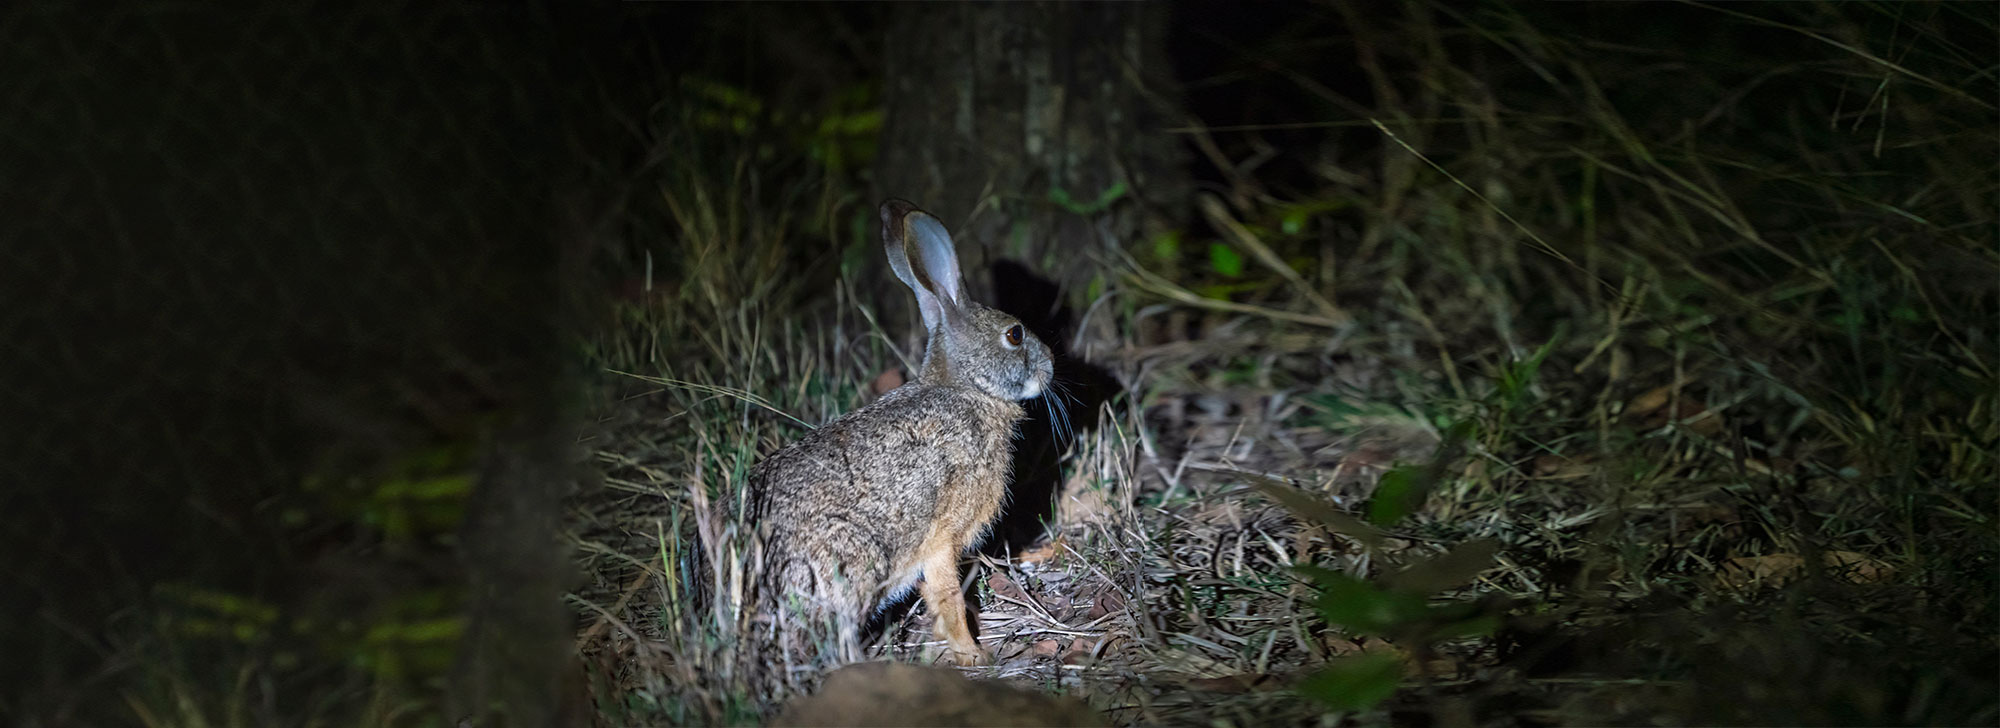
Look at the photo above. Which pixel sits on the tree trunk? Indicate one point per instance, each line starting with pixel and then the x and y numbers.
pixel 1034 130
pixel 509 663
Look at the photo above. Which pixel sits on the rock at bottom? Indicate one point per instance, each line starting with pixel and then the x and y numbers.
pixel 896 694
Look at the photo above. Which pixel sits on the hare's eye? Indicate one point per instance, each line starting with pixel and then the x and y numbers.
pixel 1013 335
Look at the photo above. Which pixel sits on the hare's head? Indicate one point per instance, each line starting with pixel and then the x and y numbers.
pixel 969 343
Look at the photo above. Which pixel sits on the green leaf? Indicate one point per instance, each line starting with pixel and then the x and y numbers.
pixel 1294 221
pixel 1354 683
pixel 1517 377
pixel 1452 569
pixel 724 95
pixel 1167 246
pixel 854 124
pixel 1225 260
pixel 218 602
pixel 1399 494
pixel 1363 607
pixel 1336 409
pixel 1307 506
pixel 1104 199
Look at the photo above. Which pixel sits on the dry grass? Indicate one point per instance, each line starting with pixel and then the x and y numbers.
pixel 1720 351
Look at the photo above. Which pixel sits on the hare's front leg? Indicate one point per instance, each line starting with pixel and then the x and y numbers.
pixel 947 604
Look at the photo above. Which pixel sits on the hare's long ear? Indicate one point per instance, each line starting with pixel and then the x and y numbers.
pixel 921 253
pixel 896 233
pixel 936 259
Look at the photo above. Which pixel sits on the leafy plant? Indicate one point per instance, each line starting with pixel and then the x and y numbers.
pixel 1401 608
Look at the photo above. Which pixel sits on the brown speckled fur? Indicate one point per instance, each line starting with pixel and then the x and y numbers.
pixel 868 504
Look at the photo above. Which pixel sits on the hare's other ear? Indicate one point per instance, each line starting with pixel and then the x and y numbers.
pixel 936 258
pixel 896 231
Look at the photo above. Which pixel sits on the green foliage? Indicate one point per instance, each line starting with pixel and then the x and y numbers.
pixel 199 613
pixel 1167 249
pixel 1350 414
pixel 1362 607
pixel 407 506
pixel 1517 378
pixel 1318 510
pixel 1224 260
pixel 1062 199
pixel 401 649
pixel 1399 607
pixel 419 496
pixel 841 137
pixel 1293 217
pixel 1354 683
pixel 1397 495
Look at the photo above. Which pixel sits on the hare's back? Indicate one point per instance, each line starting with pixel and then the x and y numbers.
pixel 882 464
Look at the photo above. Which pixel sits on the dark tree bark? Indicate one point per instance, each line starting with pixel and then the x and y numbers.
pixel 509 663
pixel 1012 121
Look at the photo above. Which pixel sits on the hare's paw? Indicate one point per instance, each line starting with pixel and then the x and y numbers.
pixel 973 656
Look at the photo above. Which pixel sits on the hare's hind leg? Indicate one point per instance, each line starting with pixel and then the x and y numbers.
pixel 946 601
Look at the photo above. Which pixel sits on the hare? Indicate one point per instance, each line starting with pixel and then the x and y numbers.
pixel 854 514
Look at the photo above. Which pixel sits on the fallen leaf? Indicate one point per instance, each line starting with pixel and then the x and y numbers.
pixel 1045 552
pixel 1745 571
pixel 1859 568
pixel 1045 648
pixel 1004 585
pixel 1058 604
pixel 1337 645
pixel 1651 400
pixel 1652 411
pixel 1698 418
pixel 1106 599
pixel 1079 651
